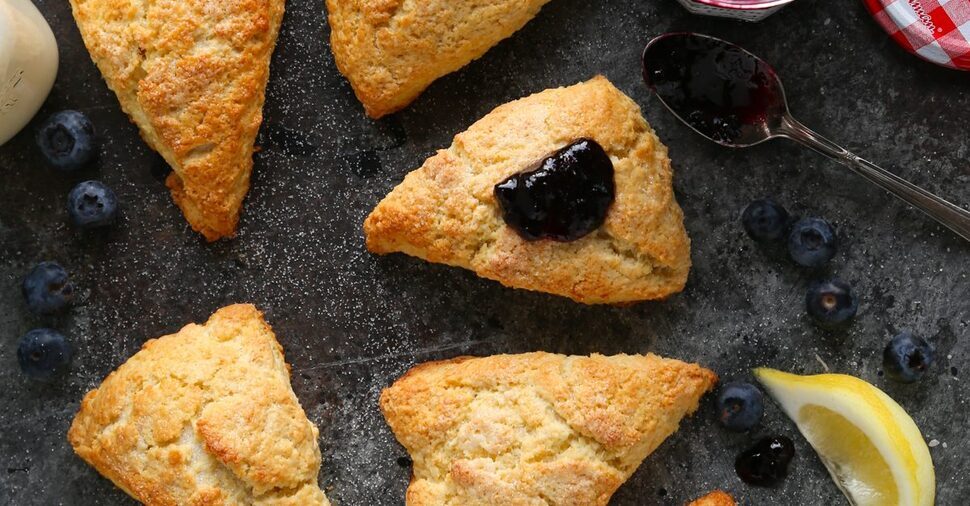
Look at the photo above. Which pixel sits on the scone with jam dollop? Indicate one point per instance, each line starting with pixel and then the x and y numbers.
pixel 567 191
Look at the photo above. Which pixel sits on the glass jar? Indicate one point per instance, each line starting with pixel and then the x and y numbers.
pixel 747 10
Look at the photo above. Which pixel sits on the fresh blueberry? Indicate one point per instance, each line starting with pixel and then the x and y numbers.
pixel 907 357
pixel 741 406
pixel 47 288
pixel 831 302
pixel 67 140
pixel 811 242
pixel 44 353
pixel 91 204
pixel 764 220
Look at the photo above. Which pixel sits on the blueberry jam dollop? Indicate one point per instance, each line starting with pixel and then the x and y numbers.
pixel 766 463
pixel 562 197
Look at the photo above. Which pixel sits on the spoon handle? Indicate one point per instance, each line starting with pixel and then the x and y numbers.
pixel 952 216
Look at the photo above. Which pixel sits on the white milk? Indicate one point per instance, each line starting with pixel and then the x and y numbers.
pixel 28 64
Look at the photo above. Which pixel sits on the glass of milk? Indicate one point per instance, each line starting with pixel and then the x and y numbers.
pixel 28 64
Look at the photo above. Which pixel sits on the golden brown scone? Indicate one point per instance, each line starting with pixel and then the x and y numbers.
pixel 192 75
pixel 446 212
pixel 205 416
pixel 391 50
pixel 715 498
pixel 536 429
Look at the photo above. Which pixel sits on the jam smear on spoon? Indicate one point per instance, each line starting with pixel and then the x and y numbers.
pixel 722 91
pixel 562 197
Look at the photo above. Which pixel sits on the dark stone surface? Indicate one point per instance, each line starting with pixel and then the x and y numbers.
pixel 351 322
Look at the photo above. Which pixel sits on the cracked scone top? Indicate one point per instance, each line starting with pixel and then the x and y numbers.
pixel 446 211
pixel 391 50
pixel 205 416
pixel 536 429
pixel 192 75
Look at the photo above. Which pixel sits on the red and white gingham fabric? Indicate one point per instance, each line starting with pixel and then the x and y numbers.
pixel 935 30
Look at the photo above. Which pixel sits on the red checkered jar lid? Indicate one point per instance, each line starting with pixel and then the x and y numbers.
pixel 935 30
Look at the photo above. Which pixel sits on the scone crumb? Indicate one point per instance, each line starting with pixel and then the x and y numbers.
pixel 715 498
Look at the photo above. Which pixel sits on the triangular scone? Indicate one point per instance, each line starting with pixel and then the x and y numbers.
pixel 446 211
pixel 715 498
pixel 204 416
pixel 391 50
pixel 536 429
pixel 192 75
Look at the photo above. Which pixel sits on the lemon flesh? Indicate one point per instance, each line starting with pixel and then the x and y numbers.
pixel 871 447
pixel 867 479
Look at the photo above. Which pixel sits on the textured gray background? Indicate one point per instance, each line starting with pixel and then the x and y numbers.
pixel 351 322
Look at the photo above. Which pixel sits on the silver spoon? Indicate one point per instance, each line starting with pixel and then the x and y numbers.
pixel 735 99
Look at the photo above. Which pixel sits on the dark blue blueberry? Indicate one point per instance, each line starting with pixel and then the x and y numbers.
pixel 44 354
pixel 47 288
pixel 907 357
pixel 740 405
pixel 91 204
pixel 764 220
pixel 67 140
pixel 766 463
pixel 811 242
pixel 831 302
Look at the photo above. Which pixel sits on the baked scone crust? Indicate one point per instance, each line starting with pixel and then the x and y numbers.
pixel 192 75
pixel 715 498
pixel 205 416
pixel 446 211
pixel 391 50
pixel 536 429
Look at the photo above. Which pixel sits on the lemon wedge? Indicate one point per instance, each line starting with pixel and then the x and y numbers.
pixel 871 447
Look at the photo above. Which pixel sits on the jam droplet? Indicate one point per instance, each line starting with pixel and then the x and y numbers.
pixel 766 463
pixel 562 197
pixel 722 91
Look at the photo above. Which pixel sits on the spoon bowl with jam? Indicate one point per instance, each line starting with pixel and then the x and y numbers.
pixel 736 99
